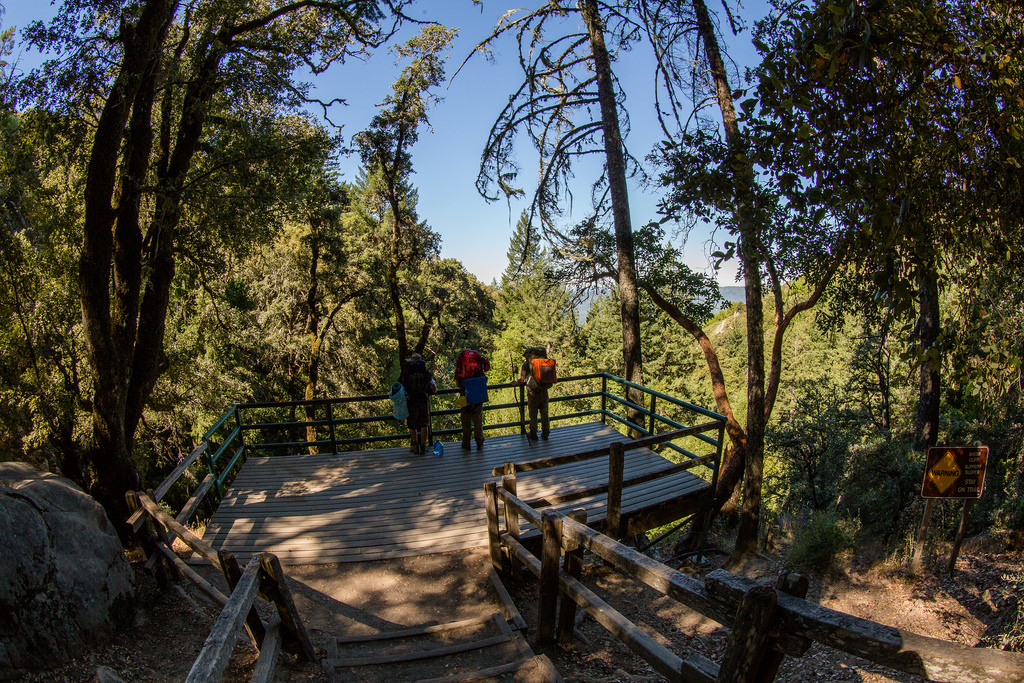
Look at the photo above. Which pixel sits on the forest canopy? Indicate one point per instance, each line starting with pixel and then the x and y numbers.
pixel 177 236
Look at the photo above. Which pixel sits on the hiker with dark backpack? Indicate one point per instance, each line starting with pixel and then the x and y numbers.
pixel 419 384
pixel 470 367
pixel 538 374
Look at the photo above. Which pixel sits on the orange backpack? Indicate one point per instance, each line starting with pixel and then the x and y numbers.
pixel 544 371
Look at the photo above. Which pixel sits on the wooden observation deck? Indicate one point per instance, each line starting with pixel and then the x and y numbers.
pixel 371 504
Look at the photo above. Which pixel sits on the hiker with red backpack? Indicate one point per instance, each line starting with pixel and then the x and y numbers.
pixel 470 367
pixel 538 374
pixel 418 382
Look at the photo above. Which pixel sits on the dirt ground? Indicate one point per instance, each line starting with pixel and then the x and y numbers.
pixel 974 607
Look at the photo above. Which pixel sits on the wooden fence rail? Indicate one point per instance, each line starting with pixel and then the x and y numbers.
pixel 262 577
pixel 766 623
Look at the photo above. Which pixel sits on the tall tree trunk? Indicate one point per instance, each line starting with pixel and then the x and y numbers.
pixel 312 331
pixel 629 299
pixel 749 248
pixel 926 423
pixel 110 267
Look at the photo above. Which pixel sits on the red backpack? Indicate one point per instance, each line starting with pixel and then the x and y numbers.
pixel 544 371
pixel 471 364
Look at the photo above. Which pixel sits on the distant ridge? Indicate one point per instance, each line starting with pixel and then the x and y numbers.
pixel 734 293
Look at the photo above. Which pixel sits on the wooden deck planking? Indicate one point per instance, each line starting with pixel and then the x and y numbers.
pixel 389 503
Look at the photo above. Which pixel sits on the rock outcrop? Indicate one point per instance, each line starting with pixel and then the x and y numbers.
pixel 65 585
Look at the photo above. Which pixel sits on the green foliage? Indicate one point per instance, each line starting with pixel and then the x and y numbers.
pixel 819 543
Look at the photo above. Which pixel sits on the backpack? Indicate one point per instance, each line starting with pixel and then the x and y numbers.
pixel 417 379
pixel 400 409
pixel 471 364
pixel 544 372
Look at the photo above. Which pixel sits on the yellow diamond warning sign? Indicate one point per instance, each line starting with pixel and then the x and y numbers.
pixel 945 472
pixel 955 472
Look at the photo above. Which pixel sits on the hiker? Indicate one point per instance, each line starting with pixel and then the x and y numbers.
pixel 419 384
pixel 538 373
pixel 470 367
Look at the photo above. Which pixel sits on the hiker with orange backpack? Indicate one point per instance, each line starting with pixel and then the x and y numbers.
pixel 470 367
pixel 538 374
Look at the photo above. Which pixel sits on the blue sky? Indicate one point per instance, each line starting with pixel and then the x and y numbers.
pixel 446 159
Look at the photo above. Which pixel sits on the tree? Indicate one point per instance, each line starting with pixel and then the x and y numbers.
pixel 566 78
pixel 150 83
pixel 386 150
pixel 926 152
pixel 534 309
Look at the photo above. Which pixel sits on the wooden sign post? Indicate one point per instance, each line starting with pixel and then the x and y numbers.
pixel 956 472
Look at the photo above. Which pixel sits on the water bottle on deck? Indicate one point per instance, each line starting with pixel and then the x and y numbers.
pixel 438 448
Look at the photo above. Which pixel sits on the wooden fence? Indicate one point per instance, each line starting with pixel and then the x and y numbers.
pixel 156 531
pixel 766 623
pixel 617 524
pixel 338 424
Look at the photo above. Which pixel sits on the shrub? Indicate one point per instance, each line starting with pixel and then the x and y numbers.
pixel 817 545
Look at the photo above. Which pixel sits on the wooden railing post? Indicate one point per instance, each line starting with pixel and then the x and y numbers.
pixel 551 548
pixel 233 574
pixel 573 565
pixel 604 399
pixel 273 587
pixel 795 585
pixel 749 638
pixel 651 422
pixel 493 531
pixel 330 421
pixel 241 433
pixel 522 408
pixel 616 464
pixel 213 658
pixel 508 482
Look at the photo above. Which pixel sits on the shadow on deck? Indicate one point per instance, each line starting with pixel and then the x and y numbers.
pixel 387 503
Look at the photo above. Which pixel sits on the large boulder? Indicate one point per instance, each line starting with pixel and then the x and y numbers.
pixel 65 585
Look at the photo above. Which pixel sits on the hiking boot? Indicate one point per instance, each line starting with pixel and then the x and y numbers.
pixel 544 436
pixel 479 445
pixel 465 445
pixel 532 436
pixel 414 448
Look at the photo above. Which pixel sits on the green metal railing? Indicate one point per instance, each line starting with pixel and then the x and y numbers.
pixel 352 423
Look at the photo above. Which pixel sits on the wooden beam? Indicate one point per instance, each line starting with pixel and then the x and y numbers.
pixel 233 574
pixel 616 465
pixel 493 531
pixel 213 658
pixel 573 566
pixel 193 541
pixel 274 587
pixel 748 641
pixel 547 603
pixel 186 571
pixel 167 483
pixel 905 651
pixel 193 503
pixel 679 586
pixel 266 664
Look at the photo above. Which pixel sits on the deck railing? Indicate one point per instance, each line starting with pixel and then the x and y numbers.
pixel 351 423
pixel 766 624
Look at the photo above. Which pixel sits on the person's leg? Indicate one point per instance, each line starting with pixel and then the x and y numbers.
pixel 466 415
pixel 424 436
pixel 545 425
pixel 478 424
pixel 414 446
pixel 532 404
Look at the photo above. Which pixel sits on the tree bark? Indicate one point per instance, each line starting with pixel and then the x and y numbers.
pixel 629 300
pixel 110 268
pixel 926 423
pixel 749 253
